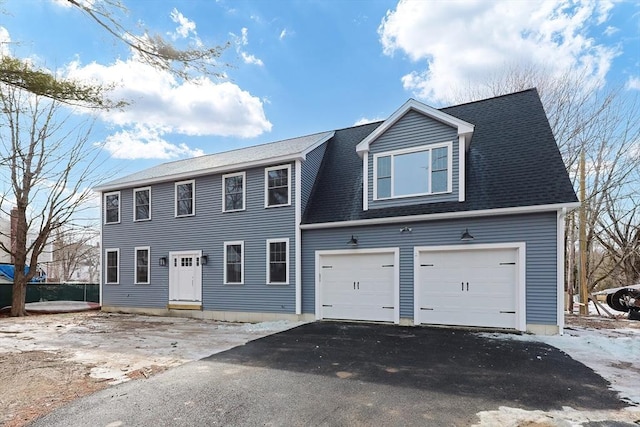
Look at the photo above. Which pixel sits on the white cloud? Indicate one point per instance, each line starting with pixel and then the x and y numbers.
pixel 609 31
pixel 283 34
pixel 466 42
pixel 142 142
pixel 364 121
pixel 185 26
pixel 633 83
pixel 241 41
pixel 5 39
pixel 190 108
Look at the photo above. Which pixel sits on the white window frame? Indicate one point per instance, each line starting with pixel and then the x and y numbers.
pixel 104 199
pixel 135 206
pixel 266 185
pixel 106 266
pixel 135 264
pixel 236 242
pixel 193 198
pixel 244 191
pixel 269 241
pixel 429 147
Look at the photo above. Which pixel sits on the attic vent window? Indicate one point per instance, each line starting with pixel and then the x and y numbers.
pixel 421 171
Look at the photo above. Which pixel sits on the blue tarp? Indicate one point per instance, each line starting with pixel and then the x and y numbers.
pixel 8 271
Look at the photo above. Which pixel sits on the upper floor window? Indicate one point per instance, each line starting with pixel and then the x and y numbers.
pixel 142 204
pixel 112 207
pixel 277 186
pixel 278 261
pixel 233 262
pixel 233 192
pixel 415 172
pixel 185 198
pixel 142 265
pixel 113 266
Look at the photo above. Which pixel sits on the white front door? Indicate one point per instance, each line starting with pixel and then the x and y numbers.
pixel 358 286
pixel 185 278
pixel 468 287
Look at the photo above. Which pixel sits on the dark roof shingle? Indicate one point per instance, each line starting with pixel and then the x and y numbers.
pixel 512 161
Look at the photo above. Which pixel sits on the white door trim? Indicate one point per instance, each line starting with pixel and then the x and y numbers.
pixel 198 254
pixel 521 318
pixel 396 275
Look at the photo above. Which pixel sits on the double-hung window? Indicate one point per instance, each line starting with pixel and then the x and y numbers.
pixel 233 263
pixel 185 198
pixel 112 207
pixel 415 172
pixel 142 266
pixel 277 186
pixel 112 266
pixel 233 192
pixel 278 261
pixel 142 204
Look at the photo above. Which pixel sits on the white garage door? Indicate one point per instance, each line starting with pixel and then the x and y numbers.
pixel 470 287
pixel 358 286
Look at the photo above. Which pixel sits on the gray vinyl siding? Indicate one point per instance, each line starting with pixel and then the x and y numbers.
pixel 207 230
pixel 414 130
pixel 310 168
pixel 538 231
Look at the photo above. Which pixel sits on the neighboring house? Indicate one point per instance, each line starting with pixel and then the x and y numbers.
pixel 447 216
pixel 5 238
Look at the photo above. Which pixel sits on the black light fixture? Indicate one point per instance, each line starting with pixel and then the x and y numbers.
pixel 204 259
pixel 162 261
pixel 466 236
pixel 405 229
pixel 353 241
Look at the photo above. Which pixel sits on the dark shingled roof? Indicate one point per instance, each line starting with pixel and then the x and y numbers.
pixel 513 161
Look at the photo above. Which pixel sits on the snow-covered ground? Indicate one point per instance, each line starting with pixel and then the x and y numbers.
pixel 611 347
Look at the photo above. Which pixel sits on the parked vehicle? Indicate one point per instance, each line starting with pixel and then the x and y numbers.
pixel 626 299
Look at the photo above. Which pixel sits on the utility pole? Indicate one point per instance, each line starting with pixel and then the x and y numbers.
pixel 584 296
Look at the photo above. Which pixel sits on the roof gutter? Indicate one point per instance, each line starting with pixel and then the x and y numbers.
pixel 441 216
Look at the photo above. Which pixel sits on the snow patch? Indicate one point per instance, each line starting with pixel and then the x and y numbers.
pixel 515 417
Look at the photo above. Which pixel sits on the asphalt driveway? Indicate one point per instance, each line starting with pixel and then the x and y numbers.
pixel 328 373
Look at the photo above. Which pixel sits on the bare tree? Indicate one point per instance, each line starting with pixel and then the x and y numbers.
pixel 73 248
pixel 45 180
pixel 584 116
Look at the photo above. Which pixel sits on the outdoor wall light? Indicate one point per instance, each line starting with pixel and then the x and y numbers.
pixel 353 241
pixel 466 236
pixel 162 261
pixel 204 259
pixel 405 229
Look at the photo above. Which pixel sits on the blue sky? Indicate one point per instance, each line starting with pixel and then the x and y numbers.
pixel 299 67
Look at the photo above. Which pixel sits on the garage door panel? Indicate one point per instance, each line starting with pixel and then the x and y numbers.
pixel 470 287
pixel 358 286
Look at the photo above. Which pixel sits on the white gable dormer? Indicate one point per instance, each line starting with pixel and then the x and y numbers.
pixel 416 156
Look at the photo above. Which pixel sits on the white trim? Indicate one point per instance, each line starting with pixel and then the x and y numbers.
pixel 225 244
pixel 560 269
pixel 103 270
pixel 423 148
pixel 462 171
pixel 521 279
pixel 106 266
pixel 244 190
pixel 314 146
pixel 198 271
pixel 445 215
pixel 463 127
pixel 207 171
pixel 266 185
pixel 135 264
pixel 396 276
pixel 268 252
pixel 193 197
pixel 104 210
pixel 298 236
pixel 136 190
pixel 365 183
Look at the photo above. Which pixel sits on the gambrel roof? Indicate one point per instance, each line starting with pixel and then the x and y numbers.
pixel 512 161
